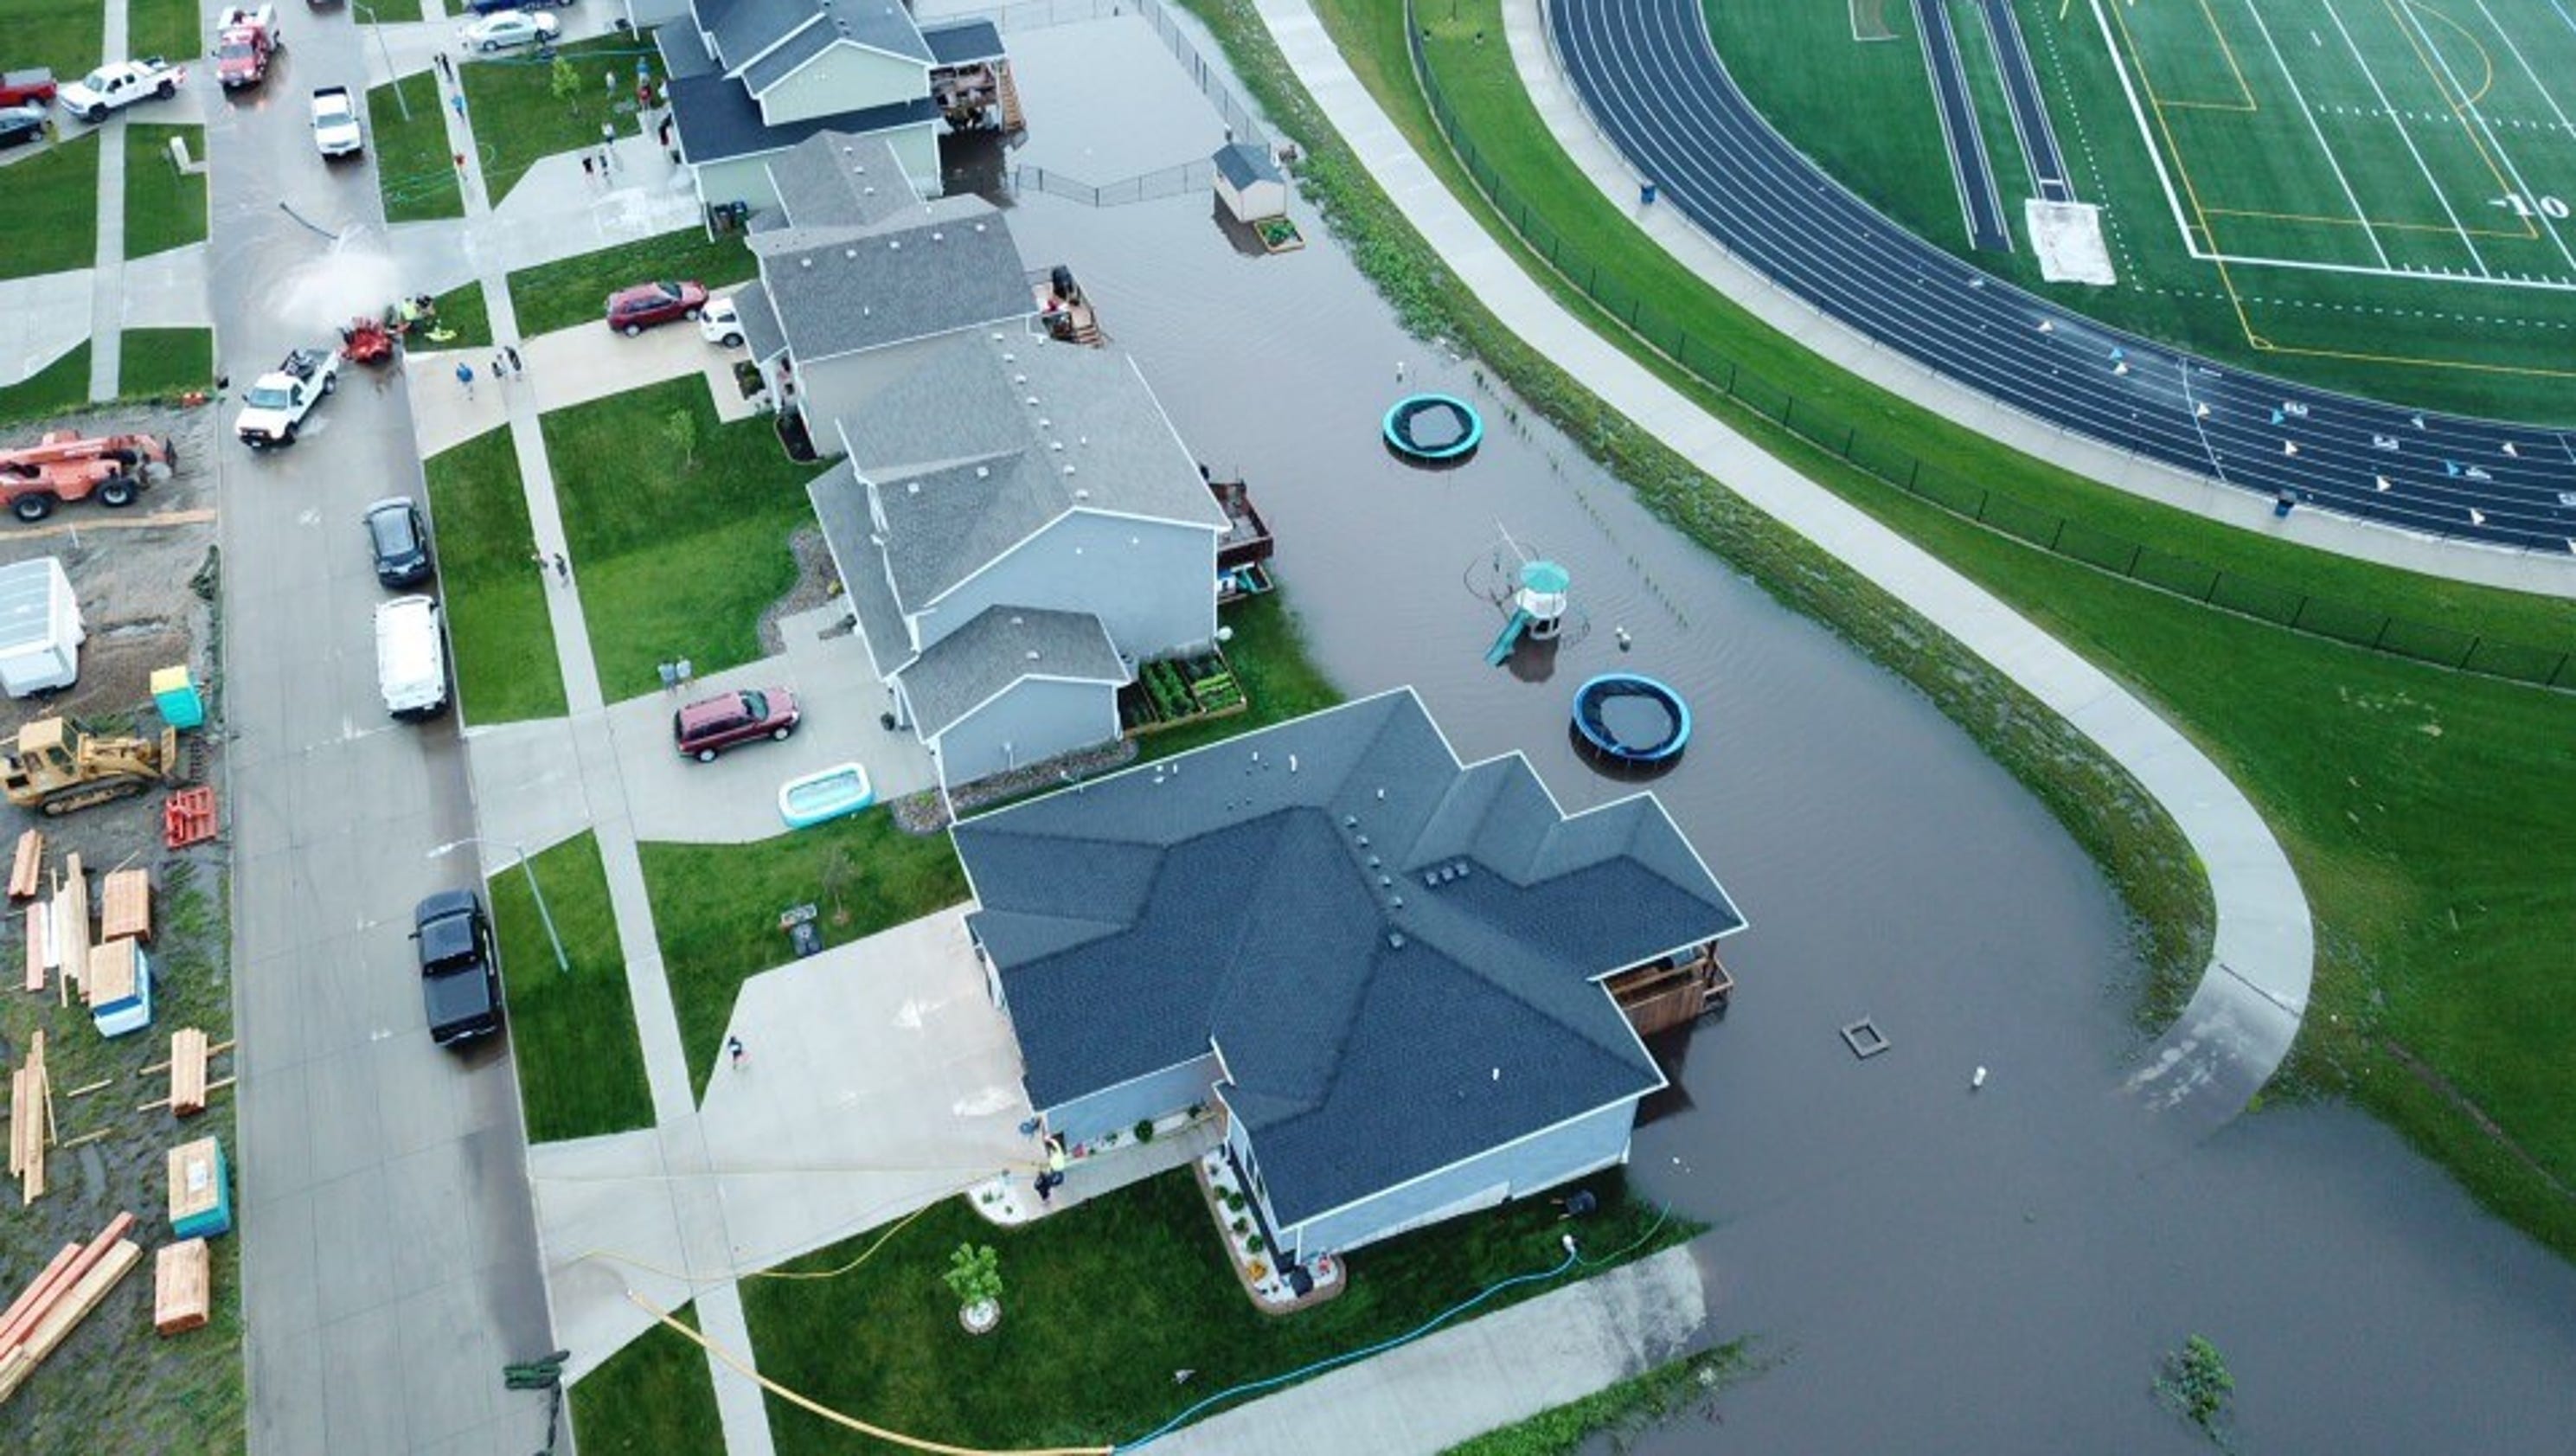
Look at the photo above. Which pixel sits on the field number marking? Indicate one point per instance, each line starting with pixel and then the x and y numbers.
pixel 2521 206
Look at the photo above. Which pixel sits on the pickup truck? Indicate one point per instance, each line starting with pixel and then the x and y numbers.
pixel 245 42
pixel 460 976
pixel 22 88
pixel 335 122
pixel 274 408
pixel 119 84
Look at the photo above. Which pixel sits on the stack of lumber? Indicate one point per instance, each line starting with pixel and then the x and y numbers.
pixel 125 905
pixel 74 1284
pixel 189 1053
pixel 40 955
pixel 31 1121
pixel 183 1287
pixel 201 1194
pixel 26 870
pixel 68 946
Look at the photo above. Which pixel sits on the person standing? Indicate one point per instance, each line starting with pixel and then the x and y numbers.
pixel 446 68
pixel 465 377
pixel 735 1052
pixel 516 367
pixel 563 569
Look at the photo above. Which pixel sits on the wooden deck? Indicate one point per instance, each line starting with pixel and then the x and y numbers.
pixel 1673 992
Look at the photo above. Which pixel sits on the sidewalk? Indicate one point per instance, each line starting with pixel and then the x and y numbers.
pixel 107 275
pixel 2246 1011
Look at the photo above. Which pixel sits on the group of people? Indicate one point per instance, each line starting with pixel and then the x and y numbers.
pixel 506 366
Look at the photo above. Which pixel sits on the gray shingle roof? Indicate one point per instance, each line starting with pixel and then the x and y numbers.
pixel 1219 895
pixel 833 179
pixel 965 669
pixel 684 51
pixel 1244 164
pixel 963 42
pixel 718 120
pixel 883 25
pixel 780 63
pixel 1004 408
pixel 840 503
pixel 745 28
pixel 760 329
pixel 841 290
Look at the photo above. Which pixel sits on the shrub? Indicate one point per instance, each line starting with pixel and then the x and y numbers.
pixel 1241 1223
pixel 1144 1129
pixel 1234 1200
pixel 1255 1244
pixel 974 1275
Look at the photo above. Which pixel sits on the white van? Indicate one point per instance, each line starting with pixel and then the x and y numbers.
pixel 411 658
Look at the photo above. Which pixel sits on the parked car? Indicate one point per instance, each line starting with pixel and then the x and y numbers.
pixel 120 84
pixel 706 728
pixel 21 124
pixel 20 88
pixel 721 323
pixel 411 659
pixel 400 541
pixel 510 28
pixel 633 310
pixel 494 7
pixel 335 123
pixel 460 975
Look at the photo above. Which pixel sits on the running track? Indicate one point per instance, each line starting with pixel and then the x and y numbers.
pixel 1652 80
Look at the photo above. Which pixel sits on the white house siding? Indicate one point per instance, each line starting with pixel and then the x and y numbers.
pixel 1153 583
pixel 1120 1108
pixel 1515 1170
pixel 844 78
pixel 1032 720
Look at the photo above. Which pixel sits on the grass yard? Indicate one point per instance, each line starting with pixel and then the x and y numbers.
pixel 164 363
pixel 69 38
pixel 461 310
pixel 656 1395
pixel 1268 657
pixel 715 907
pixel 1102 1303
pixel 166 28
pixel 575 290
pixel 165 208
pixel 49 391
pixel 53 211
pixel 415 170
pixel 2390 784
pixel 677 554
pixel 518 118
pixel 495 598
pixel 581 1066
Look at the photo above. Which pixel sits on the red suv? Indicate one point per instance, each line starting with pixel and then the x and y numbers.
pixel 705 729
pixel 633 310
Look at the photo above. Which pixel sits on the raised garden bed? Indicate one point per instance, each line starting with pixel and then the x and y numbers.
pixel 1169 692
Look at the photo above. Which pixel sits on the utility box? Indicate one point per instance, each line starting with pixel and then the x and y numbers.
pixel 40 627
pixel 175 694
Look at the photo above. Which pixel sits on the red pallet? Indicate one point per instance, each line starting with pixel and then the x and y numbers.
pixel 188 818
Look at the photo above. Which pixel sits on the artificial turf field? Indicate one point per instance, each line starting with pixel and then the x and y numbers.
pixel 2371 195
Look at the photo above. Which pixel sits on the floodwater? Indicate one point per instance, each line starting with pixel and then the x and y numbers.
pixel 1929 1268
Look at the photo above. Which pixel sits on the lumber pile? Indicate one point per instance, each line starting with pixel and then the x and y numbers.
pixel 74 1284
pixel 26 870
pixel 31 1121
pixel 189 1054
pixel 69 945
pixel 40 921
pixel 183 1287
pixel 201 1194
pixel 125 905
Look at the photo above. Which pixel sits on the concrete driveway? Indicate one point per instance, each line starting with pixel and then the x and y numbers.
pixel 565 368
pixel 879 1078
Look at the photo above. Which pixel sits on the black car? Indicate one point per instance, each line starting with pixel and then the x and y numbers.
pixel 460 975
pixel 400 540
pixel 20 124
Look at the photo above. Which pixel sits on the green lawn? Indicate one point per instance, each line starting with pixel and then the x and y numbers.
pixel 676 557
pixel 1620 1411
pixel 517 117
pixel 716 907
pixel 654 1396
pixel 53 207
pixel 496 605
pixel 167 28
pixel 415 170
pixel 1101 1304
pixel 581 1067
pixel 68 37
pixel 165 363
pixel 1268 657
pixel 575 290
pixel 59 386
pixel 2391 784
pixel 164 207
pixel 461 310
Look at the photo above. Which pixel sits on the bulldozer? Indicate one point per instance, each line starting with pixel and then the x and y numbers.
pixel 59 765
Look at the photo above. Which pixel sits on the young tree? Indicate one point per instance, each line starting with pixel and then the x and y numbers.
pixel 680 428
pixel 565 83
pixel 975 1276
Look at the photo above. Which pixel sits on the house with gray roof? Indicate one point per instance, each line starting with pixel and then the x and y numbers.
pixel 748 79
pixel 1393 972
pixel 1017 525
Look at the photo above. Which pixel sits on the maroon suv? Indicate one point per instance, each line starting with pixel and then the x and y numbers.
pixel 709 727
pixel 633 310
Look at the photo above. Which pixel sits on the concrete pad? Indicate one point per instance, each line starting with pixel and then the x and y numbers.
pixel 167 290
pixel 527 783
pixel 591 361
pixel 735 799
pixel 41 319
pixel 444 414
pixel 606 1220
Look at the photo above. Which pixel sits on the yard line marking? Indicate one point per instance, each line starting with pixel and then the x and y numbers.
pixel 2314 130
pixel 2401 12
pixel 2155 155
pixel 2518 59
pixel 2471 113
pixel 2378 222
pixel 2402 135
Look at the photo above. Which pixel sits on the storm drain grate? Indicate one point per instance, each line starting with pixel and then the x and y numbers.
pixel 1864 1038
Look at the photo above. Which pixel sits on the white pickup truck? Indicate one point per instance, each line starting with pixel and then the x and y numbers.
pixel 335 122
pixel 120 84
pixel 274 409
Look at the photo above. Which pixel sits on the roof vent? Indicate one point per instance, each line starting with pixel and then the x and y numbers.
pixel 1394 940
pixel 979 227
pixel 1053 444
pixel 1462 869
pixel 1433 877
pixel 1363 841
pixel 1083 439
pixel 1292 763
pixel 1069 470
pixel 1033 654
pixel 1350 821
pixel 1383 882
pixel 1045 424
pixel 805 262
pixel 912 487
pixel 1498 1074
pixel 849 252
pixel 982 472
pixel 1395 904
pixel 1020 379
pixel 938 237
pixel 867 192
pixel 894 244
pixel 1381 794
pixel 1080 495
pixel 1373 862
pixel 1033 401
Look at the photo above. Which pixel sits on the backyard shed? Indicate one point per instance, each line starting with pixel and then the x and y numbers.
pixel 1249 183
pixel 40 627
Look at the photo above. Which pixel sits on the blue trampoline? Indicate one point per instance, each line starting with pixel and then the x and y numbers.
pixel 1632 719
pixel 1434 427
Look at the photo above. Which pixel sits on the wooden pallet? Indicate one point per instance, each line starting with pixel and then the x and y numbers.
pixel 188 817
pixel 125 905
pixel 27 870
pixel 183 1287
pixel 53 1309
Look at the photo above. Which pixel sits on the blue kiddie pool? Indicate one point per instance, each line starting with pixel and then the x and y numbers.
pixel 1433 427
pixel 826 795
pixel 1632 719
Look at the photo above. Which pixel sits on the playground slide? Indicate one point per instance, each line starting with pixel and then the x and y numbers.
pixel 1501 651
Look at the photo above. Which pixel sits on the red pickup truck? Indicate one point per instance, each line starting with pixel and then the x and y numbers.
pixel 27 88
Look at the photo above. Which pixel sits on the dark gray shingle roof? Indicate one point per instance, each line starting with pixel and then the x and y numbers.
pixel 760 331
pixel 833 179
pixel 883 25
pixel 745 28
pixel 839 291
pixel 963 42
pixel 718 120
pixel 780 63
pixel 1219 895
pixel 684 51
pixel 964 670
pixel 1244 164
pixel 840 501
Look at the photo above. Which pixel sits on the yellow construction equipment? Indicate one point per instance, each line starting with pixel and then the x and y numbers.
pixel 58 765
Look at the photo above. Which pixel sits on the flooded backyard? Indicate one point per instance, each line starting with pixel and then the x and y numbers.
pixel 1928 1268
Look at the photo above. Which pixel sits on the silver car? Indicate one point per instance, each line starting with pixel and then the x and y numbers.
pixel 511 28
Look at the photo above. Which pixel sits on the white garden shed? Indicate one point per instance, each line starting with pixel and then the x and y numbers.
pixel 40 627
pixel 1249 183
